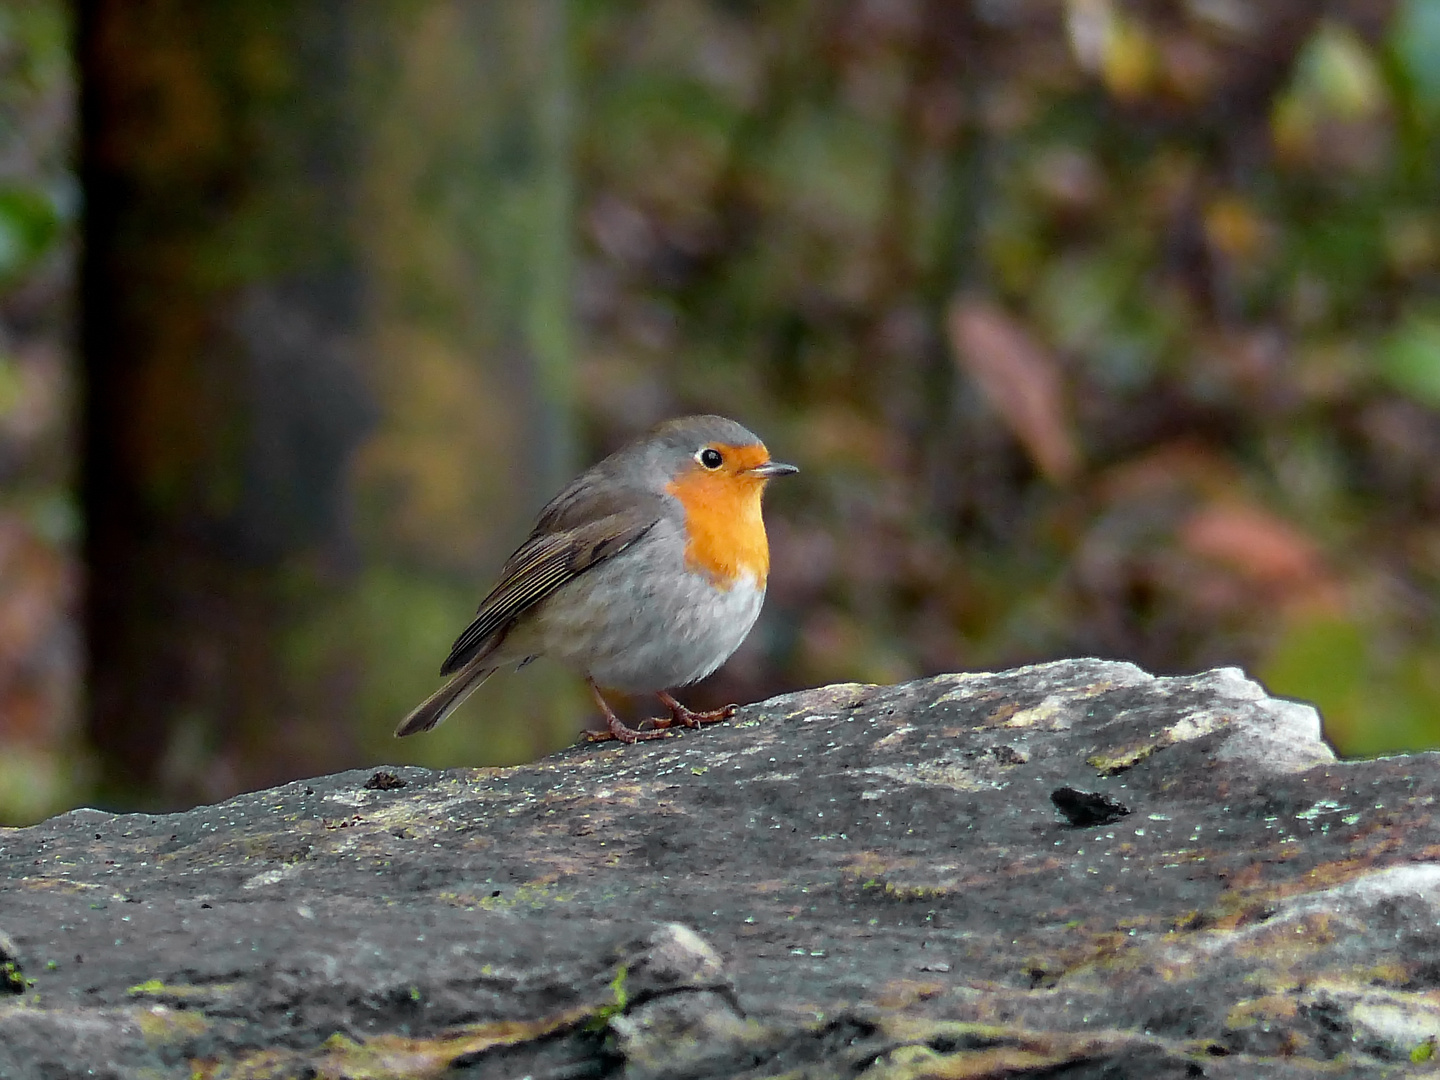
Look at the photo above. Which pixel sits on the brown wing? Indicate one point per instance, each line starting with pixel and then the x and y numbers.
pixel 545 562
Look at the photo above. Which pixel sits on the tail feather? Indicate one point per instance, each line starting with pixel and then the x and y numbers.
pixel 447 699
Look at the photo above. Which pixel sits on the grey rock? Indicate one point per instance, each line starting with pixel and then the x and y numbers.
pixel 853 880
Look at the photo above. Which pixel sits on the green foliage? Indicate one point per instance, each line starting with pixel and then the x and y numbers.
pixel 42 765
pixel 1415 39
pixel 29 226
pixel 1410 358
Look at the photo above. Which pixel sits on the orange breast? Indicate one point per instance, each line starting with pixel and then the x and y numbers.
pixel 722 517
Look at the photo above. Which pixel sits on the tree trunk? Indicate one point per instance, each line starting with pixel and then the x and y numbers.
pixel 243 392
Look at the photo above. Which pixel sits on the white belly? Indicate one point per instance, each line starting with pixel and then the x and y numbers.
pixel 644 624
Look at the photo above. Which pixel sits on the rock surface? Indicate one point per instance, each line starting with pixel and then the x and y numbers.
pixel 887 882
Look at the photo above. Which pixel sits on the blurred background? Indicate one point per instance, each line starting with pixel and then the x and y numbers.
pixel 1097 328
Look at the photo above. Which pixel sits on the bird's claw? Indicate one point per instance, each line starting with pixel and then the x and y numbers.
pixel 691 718
pixel 621 733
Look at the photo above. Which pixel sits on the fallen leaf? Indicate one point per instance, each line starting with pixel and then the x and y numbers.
pixel 1261 546
pixel 1021 381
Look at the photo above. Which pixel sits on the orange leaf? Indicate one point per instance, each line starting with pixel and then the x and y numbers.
pixel 1020 379
pixel 1271 552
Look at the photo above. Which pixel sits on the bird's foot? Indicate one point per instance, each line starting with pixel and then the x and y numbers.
pixel 690 718
pixel 621 732
pixel 616 729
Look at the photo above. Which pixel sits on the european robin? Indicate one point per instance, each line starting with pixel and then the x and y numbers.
pixel 643 575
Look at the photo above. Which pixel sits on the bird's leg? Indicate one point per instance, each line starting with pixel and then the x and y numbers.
pixel 690 718
pixel 615 727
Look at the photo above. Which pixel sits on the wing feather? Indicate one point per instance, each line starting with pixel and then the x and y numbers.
pixel 544 563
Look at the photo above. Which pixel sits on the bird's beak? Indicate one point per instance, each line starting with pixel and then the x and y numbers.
pixel 771 469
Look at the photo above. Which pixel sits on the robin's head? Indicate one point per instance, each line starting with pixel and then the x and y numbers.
pixel 714 451
pixel 718 470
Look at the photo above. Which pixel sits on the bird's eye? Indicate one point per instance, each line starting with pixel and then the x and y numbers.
pixel 709 457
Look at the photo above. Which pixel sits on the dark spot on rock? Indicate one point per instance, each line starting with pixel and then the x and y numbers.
pixel 1194 920
pixel 1423 976
pixel 1334 1033
pixel 1087 809
pixel 384 781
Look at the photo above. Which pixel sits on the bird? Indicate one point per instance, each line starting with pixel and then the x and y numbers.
pixel 643 575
